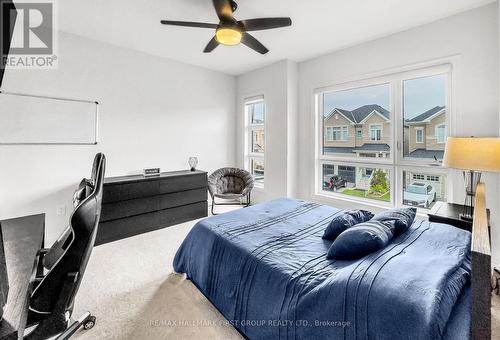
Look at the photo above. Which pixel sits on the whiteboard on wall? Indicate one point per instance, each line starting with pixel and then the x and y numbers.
pixel 31 119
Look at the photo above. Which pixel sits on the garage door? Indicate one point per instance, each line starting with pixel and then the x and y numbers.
pixel 348 173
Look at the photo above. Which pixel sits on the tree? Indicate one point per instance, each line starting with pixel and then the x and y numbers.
pixel 379 183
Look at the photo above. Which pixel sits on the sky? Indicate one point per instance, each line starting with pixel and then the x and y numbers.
pixel 420 95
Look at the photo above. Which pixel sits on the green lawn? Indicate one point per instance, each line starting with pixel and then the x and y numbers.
pixel 362 193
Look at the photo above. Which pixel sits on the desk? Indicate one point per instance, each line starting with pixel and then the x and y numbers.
pixel 22 238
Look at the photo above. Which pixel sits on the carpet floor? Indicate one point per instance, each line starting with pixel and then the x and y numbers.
pixel 130 287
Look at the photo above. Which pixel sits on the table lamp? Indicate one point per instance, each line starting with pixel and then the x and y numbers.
pixel 473 155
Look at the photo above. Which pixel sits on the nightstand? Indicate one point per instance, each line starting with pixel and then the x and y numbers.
pixel 449 213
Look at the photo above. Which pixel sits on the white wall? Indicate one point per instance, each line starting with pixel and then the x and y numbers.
pixel 277 83
pixel 154 112
pixel 471 36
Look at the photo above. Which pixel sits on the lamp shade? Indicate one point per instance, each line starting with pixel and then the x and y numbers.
pixel 479 154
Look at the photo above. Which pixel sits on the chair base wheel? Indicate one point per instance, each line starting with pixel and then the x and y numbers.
pixel 90 322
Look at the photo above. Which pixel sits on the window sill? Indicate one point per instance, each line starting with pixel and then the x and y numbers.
pixel 258 188
pixel 328 198
pixel 361 204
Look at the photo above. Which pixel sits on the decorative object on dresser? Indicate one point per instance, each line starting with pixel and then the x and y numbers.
pixel 449 213
pixel 151 172
pixel 193 162
pixel 136 204
pixel 232 184
pixel 472 155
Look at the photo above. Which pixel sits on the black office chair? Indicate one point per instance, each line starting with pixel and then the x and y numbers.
pixel 52 298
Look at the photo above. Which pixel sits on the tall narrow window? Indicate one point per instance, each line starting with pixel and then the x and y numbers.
pixel 376 132
pixel 419 135
pixel 424 110
pixel 441 133
pixel 362 155
pixel 255 117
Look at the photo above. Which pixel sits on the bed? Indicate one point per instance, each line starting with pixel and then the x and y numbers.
pixel 265 269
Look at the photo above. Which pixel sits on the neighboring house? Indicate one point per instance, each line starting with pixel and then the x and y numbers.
pixel 356 177
pixel 437 181
pixel 363 132
pixel 425 134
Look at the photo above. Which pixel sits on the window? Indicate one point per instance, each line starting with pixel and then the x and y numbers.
pixel 423 190
pixel 424 109
pixel 255 114
pixel 418 176
pixel 419 137
pixel 358 109
pixel 258 141
pixel 329 134
pixel 375 165
pixel 376 132
pixel 257 170
pixel 441 134
pixel 337 133
pixel 357 182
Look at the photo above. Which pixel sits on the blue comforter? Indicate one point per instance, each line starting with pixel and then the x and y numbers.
pixel 265 269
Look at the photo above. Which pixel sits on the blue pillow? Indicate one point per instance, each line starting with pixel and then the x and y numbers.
pixel 398 219
pixel 360 240
pixel 344 221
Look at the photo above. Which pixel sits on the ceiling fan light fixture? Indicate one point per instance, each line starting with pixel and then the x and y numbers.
pixel 228 36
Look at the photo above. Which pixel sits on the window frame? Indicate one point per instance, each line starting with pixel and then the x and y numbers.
pixel 250 127
pixel 396 163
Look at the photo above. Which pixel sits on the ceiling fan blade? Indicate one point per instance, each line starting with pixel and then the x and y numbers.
pixel 224 10
pixel 265 23
pixel 253 43
pixel 212 44
pixel 189 24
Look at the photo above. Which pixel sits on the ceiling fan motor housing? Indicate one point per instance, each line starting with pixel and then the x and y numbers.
pixel 234 5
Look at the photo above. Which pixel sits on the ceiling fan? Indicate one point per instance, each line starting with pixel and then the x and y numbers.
pixel 231 32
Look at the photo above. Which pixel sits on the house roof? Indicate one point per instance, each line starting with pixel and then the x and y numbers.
pixel 427 115
pixel 374 147
pixel 364 148
pixel 356 116
pixel 423 153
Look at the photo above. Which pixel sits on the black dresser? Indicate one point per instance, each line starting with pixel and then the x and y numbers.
pixel 134 205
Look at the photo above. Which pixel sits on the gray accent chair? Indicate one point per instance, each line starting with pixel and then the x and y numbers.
pixel 230 184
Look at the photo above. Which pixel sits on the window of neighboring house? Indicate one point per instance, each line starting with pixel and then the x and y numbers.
pixel 441 134
pixel 340 133
pixel 418 101
pixel 376 132
pixel 329 134
pixel 337 133
pixel 255 117
pixel 419 137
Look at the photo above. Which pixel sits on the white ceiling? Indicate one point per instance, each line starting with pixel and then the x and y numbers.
pixel 319 26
